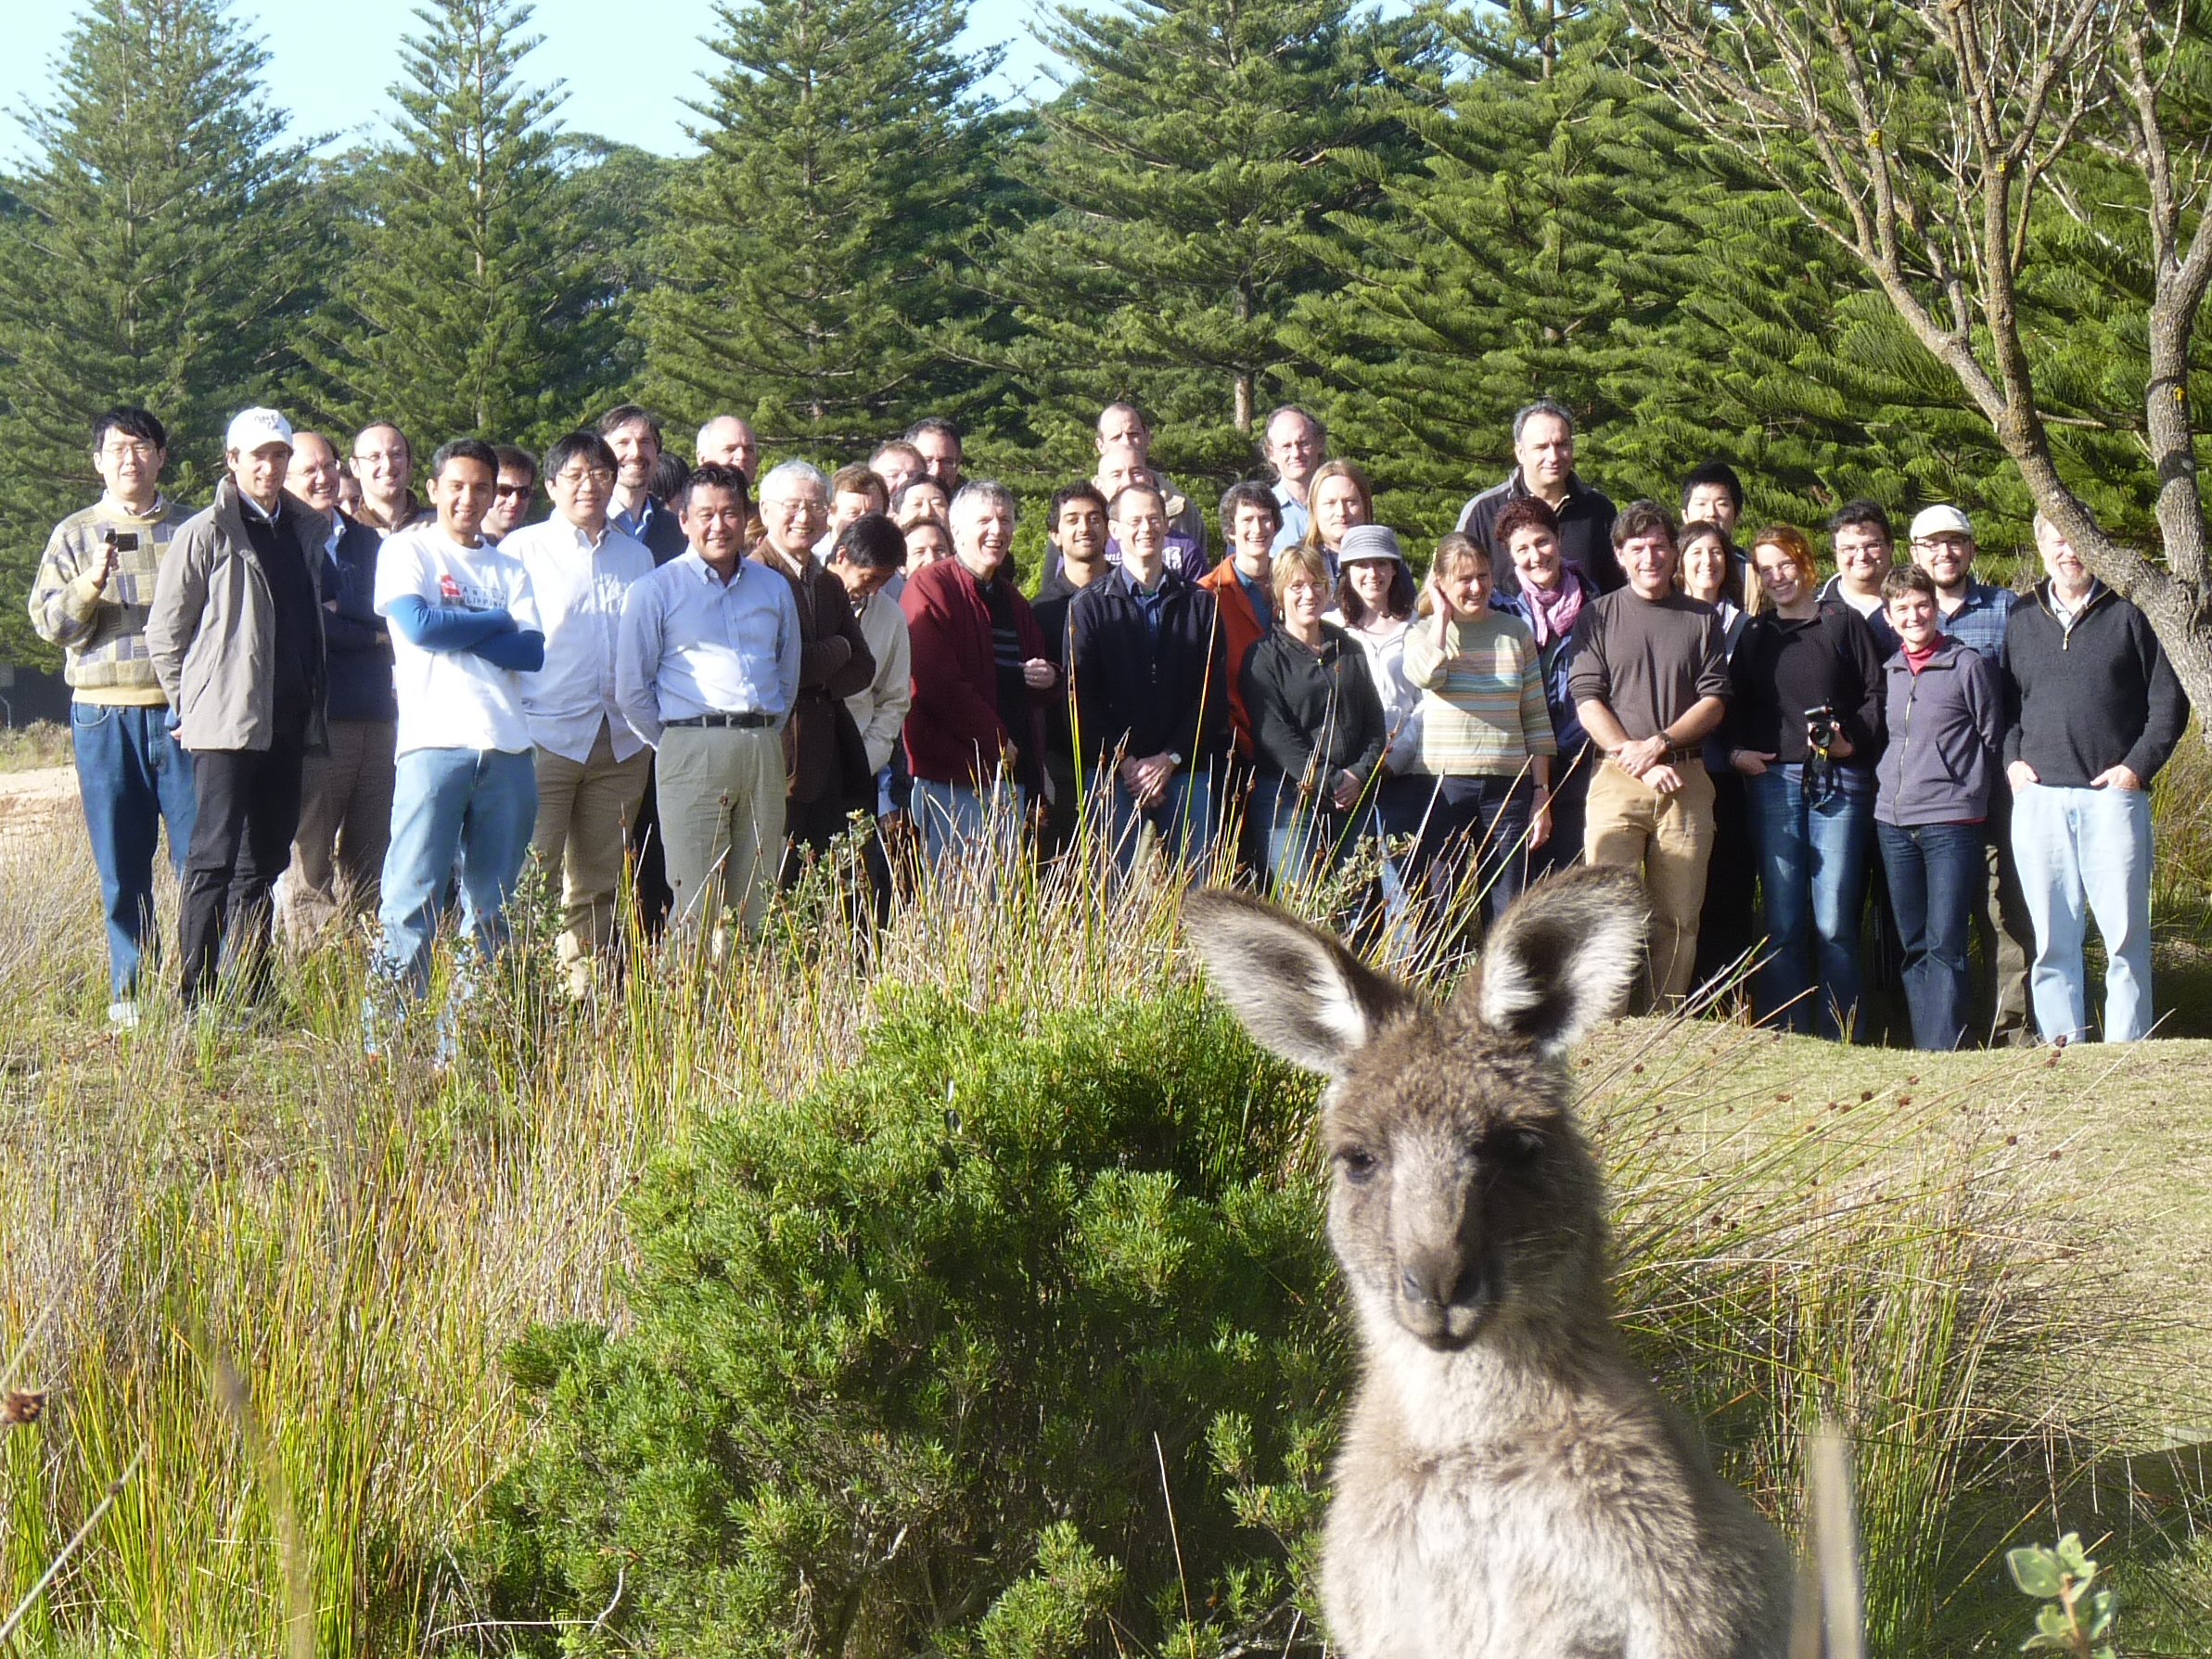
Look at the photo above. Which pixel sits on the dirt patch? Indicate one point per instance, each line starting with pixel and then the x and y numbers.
pixel 32 803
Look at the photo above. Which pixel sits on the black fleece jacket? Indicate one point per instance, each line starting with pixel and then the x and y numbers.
pixel 2084 699
pixel 1313 706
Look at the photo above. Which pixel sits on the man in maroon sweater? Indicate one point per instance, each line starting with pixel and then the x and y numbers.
pixel 981 676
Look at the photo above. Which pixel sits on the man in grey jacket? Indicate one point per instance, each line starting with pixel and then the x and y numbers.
pixel 236 641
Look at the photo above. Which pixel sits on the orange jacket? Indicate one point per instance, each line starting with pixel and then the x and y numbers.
pixel 1244 631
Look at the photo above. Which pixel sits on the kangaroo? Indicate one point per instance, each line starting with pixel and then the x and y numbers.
pixel 1511 1487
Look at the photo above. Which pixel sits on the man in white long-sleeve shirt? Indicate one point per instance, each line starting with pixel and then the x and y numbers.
pixel 592 766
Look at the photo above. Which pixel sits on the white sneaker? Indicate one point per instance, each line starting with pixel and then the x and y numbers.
pixel 123 1017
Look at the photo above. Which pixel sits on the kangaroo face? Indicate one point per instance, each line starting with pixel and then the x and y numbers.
pixel 1462 1195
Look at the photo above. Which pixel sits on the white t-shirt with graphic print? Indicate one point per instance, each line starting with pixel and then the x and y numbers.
pixel 455 699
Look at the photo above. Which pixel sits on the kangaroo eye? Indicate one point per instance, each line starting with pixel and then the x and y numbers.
pixel 1517 1146
pixel 1356 1162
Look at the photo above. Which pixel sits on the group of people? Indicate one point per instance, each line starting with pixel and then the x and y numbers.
pixel 707 674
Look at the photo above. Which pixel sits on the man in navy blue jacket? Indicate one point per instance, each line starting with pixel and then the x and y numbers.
pixel 1149 678
pixel 345 797
pixel 2096 711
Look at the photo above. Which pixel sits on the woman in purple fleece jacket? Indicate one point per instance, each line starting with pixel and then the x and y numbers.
pixel 1944 713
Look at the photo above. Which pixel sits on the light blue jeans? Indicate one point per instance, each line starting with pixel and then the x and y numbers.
pixel 951 815
pixel 1812 859
pixel 1182 819
pixel 2087 846
pixel 481 804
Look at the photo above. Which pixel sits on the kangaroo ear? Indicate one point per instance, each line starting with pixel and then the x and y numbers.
pixel 1563 958
pixel 1297 989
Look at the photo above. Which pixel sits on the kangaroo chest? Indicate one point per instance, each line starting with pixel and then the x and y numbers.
pixel 1497 1552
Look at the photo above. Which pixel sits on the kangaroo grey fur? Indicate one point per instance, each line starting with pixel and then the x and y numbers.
pixel 1510 1485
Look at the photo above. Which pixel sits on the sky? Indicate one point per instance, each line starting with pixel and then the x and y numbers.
pixel 332 62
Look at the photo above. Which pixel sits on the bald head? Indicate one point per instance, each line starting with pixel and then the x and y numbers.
pixel 313 477
pixel 728 440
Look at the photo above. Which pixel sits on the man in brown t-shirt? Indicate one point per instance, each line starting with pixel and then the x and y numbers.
pixel 1649 681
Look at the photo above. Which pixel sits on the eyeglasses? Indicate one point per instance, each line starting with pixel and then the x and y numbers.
pixel 575 476
pixel 129 452
pixel 512 489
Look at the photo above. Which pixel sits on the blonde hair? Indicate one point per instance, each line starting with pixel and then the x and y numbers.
pixel 1293 564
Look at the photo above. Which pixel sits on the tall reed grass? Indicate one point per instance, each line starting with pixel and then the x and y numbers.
pixel 281 1275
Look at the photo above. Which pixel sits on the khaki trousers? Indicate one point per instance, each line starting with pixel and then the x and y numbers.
pixel 721 793
pixel 1668 838
pixel 585 812
pixel 345 826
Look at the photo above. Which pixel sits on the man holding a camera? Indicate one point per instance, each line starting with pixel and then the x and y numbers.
pixel 91 598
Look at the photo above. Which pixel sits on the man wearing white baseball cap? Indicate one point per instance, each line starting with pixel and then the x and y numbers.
pixel 236 636
pixel 1975 613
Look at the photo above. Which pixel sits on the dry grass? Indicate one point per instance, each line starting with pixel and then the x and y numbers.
pixel 357 1242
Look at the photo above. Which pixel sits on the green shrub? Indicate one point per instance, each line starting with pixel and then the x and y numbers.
pixel 1014 1339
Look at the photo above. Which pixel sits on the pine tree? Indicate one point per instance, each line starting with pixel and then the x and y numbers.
pixel 468 305
pixel 153 255
pixel 1196 147
pixel 1542 248
pixel 801 277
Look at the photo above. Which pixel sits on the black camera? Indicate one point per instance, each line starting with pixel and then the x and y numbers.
pixel 1821 730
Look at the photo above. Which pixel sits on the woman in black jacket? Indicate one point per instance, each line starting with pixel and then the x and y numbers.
pixel 1317 723
pixel 1805 726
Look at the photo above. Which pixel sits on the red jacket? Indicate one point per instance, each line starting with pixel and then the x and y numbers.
pixel 1240 624
pixel 953 732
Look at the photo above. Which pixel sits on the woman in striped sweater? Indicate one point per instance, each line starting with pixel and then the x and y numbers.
pixel 1486 733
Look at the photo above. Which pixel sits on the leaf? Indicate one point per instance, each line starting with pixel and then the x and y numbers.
pixel 2034 1570
pixel 2073 1558
pixel 2052 1620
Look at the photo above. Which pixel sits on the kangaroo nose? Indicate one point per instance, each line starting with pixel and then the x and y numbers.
pixel 1437 1281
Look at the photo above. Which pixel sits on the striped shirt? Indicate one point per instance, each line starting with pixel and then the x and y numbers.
pixel 103 628
pixel 1482 703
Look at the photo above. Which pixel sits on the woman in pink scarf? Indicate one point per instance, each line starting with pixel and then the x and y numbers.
pixel 1550 599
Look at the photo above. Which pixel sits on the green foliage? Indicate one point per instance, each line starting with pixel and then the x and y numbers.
pixel 1542 246
pixel 1196 147
pixel 465 299
pixel 1006 1336
pixel 801 275
pixel 154 253
pixel 2074 1618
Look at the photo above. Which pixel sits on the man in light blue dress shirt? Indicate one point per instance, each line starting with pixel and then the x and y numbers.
pixel 707 672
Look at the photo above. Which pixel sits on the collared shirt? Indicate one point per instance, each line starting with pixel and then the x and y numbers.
pixel 1979 622
pixel 2068 615
pixel 637 525
pixel 1297 516
pixel 580 590
pixel 1150 601
pixel 1263 602
pixel 694 644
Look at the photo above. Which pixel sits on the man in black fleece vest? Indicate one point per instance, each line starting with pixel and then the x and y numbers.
pixel 2095 710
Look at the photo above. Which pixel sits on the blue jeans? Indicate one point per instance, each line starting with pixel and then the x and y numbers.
pixel 1478 820
pixel 1183 818
pixel 132 778
pixel 2092 846
pixel 1812 875
pixel 481 804
pixel 1305 841
pixel 951 815
pixel 1936 872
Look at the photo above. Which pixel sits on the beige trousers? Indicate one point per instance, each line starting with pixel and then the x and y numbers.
pixel 721 793
pixel 584 813
pixel 1668 838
